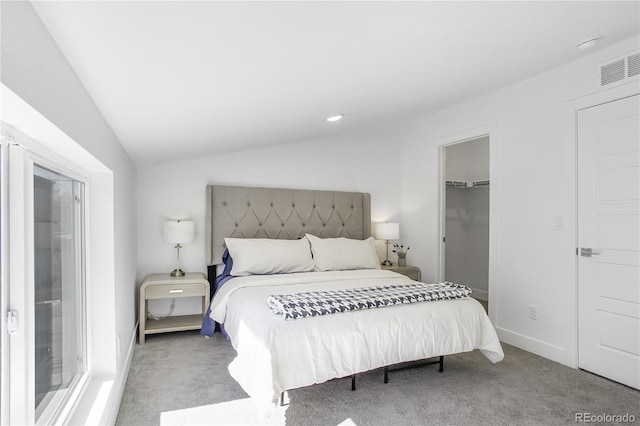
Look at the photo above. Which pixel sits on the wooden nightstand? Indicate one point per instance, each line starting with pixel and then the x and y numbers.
pixel 412 272
pixel 164 286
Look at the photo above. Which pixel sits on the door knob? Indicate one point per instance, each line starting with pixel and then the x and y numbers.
pixel 588 252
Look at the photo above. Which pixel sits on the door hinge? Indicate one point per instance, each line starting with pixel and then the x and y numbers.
pixel 12 322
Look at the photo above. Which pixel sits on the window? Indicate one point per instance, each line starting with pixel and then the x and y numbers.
pixel 45 354
pixel 58 259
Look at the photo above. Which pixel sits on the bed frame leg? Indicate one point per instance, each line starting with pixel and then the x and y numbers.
pixel 353 382
pixel 440 363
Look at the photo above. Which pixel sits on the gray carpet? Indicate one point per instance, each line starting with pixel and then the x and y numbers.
pixel 181 378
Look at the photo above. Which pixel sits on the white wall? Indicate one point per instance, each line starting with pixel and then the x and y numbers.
pixel 534 148
pixel 33 67
pixel 364 163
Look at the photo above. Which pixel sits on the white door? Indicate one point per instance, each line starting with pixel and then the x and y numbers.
pixel 609 226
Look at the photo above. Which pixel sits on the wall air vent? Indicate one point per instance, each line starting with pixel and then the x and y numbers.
pixel 610 73
pixel 620 69
pixel 633 65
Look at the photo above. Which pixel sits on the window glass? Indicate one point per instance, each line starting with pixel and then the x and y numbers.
pixel 58 286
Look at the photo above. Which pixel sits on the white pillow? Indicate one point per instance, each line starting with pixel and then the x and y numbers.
pixel 337 254
pixel 259 256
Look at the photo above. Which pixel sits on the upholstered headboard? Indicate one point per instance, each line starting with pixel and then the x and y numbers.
pixel 243 212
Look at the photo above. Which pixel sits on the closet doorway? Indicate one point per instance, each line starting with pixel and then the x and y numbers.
pixel 465 216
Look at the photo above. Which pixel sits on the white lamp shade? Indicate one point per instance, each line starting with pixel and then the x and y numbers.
pixel 178 231
pixel 387 231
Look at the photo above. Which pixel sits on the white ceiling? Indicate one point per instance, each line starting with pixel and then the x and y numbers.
pixel 185 79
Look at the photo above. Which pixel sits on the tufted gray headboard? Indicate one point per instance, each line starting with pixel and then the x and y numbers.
pixel 244 212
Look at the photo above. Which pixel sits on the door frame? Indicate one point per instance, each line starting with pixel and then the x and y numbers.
pixel 4 276
pixel 571 109
pixel 488 130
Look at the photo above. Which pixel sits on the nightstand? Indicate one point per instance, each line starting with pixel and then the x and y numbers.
pixel 164 286
pixel 412 272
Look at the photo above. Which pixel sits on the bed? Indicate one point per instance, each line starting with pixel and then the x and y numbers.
pixel 269 231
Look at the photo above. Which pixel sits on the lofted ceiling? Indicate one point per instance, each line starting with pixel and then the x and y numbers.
pixel 181 79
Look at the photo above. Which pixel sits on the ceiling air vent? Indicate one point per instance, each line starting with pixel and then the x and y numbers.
pixel 620 69
pixel 633 65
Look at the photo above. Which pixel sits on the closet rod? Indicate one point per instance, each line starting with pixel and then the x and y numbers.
pixel 460 184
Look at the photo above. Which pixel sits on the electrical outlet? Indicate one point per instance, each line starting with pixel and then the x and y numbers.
pixel 533 312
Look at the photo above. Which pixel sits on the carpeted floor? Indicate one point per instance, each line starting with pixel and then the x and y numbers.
pixel 182 378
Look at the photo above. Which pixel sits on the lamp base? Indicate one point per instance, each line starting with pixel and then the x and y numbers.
pixel 177 273
pixel 387 263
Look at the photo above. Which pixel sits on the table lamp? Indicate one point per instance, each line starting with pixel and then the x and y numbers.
pixel 387 231
pixel 178 232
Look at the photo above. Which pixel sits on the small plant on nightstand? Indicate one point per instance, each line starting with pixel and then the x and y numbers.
pixel 402 253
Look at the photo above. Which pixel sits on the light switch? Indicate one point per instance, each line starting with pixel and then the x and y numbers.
pixel 557 222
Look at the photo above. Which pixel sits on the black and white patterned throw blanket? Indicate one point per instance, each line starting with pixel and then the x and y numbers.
pixel 302 305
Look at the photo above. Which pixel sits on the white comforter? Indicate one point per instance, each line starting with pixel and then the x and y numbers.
pixel 275 355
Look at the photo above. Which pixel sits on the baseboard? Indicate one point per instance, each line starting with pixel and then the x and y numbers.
pixel 115 397
pixel 538 347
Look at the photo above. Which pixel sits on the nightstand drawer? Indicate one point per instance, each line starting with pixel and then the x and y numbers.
pixel 174 290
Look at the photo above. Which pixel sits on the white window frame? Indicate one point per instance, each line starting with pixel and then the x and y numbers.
pixel 22 154
pixel 60 406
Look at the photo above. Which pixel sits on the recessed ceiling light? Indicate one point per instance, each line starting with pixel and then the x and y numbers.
pixel 588 43
pixel 335 117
